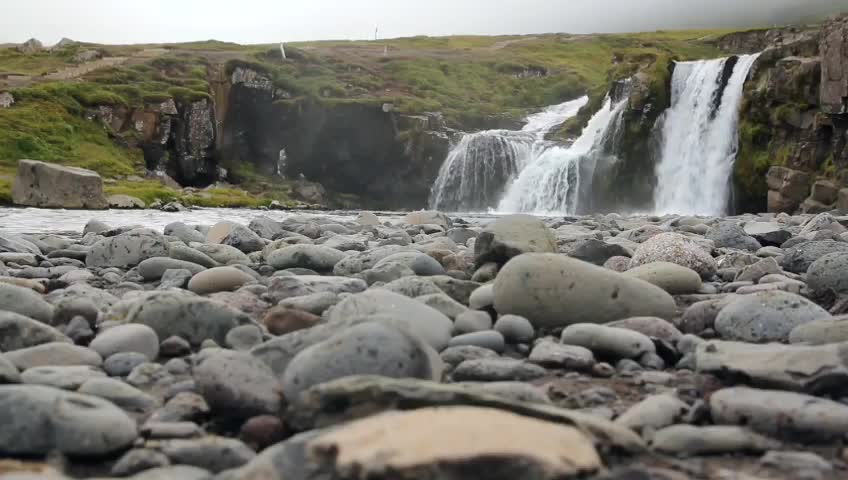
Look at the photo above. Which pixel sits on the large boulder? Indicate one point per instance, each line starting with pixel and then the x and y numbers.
pixel 827 277
pixel 40 184
pixel 833 48
pixel 511 236
pixel 38 420
pixel 675 248
pixel 766 316
pixel 127 249
pixel 553 291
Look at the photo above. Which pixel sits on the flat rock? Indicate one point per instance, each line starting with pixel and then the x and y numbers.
pixel 497 370
pixel 64 377
pixel 654 412
pixel 355 397
pixel 489 339
pixel 650 326
pixel 553 290
pixel 766 316
pixel 214 454
pixel 452 441
pixel 779 413
pixel 127 249
pixel 731 235
pixel 821 332
pixel 710 440
pixel 675 248
pixel 313 257
pixel 37 420
pixel 282 288
pixel 120 393
pixel 812 369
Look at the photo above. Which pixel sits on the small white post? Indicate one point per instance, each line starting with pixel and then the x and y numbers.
pixel 283 51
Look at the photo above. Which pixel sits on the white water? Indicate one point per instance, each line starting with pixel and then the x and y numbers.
pixel 699 143
pixel 482 164
pixel 551 183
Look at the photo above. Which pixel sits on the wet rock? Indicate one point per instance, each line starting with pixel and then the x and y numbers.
pixel 510 236
pixel 127 249
pixel 813 369
pixel 127 338
pixel 364 349
pixel 152 269
pixel 488 339
pixel 553 290
pixel 515 329
pixel 460 440
pixel 551 354
pixel 654 412
pixel 218 279
pixel 426 322
pixel 37 420
pixel 214 454
pixel 18 331
pixel 783 414
pixel 799 258
pixel 675 248
pixel 608 341
pixel 25 302
pixel 766 316
pixel 236 383
pixel 710 440
pixel 671 277
pixel 497 370
pixel 193 318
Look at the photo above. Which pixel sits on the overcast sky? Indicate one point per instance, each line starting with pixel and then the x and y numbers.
pixel 265 21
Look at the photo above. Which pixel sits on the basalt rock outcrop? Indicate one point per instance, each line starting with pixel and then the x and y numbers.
pixel 386 158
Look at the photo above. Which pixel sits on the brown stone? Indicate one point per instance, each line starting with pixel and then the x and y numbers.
pixel 455 443
pixel 842 201
pixel 282 320
pixel 787 189
pixel 824 191
pixel 263 431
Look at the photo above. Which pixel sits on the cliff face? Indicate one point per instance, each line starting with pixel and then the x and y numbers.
pixel 794 116
pixel 387 159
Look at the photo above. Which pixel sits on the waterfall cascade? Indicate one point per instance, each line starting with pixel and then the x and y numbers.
pixel 554 182
pixel 700 137
pixel 482 164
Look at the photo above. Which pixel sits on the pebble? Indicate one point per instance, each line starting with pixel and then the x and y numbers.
pixel 488 339
pixel 472 321
pixel 551 354
pixel 607 341
pixel 127 338
pixel 515 329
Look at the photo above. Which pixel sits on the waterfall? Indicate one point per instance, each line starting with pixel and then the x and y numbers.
pixel 555 181
pixel 699 136
pixel 481 164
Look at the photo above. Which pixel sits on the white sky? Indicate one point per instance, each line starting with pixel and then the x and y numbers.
pixel 266 21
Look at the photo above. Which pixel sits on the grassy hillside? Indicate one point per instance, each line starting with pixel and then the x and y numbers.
pixel 465 77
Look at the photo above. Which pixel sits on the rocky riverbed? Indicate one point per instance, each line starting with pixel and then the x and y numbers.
pixel 426 346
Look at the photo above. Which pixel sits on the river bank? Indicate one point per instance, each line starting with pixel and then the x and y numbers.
pixel 237 344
